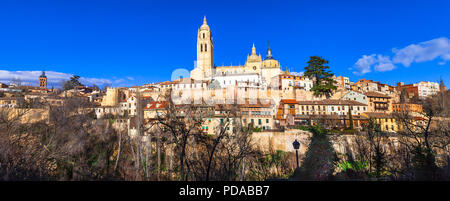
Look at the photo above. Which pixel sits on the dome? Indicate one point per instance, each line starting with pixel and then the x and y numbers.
pixel 271 63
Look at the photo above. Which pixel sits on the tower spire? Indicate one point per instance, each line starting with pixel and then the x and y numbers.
pixel 253 49
pixel 269 51
pixel 204 20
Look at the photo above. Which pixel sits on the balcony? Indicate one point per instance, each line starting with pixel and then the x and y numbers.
pixel 291 111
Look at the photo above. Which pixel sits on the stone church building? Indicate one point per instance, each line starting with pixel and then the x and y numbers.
pixel 254 70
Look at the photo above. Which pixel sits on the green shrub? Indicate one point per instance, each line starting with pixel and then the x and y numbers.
pixel 305 128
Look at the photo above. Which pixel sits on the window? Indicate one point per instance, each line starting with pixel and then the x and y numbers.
pixel 259 122
pixel 267 121
pixel 206 48
pixel 203 35
pixel 201 47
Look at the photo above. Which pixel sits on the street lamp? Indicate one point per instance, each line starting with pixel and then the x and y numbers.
pixel 296 145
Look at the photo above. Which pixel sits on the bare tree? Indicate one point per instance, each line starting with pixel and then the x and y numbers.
pixel 181 122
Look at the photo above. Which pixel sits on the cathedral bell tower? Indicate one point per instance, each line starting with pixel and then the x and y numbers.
pixel 205 63
pixel 43 81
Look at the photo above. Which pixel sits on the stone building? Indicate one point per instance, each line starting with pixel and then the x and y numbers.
pixel 379 102
pixel 254 64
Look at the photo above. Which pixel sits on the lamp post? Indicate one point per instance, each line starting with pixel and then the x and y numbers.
pixel 296 145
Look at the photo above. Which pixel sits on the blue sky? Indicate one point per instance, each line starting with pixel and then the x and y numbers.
pixel 132 42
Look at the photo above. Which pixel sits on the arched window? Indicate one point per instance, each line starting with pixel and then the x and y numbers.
pixel 206 49
pixel 203 35
pixel 201 47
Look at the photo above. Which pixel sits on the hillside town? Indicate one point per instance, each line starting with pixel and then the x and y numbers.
pixel 262 96
pixel 269 97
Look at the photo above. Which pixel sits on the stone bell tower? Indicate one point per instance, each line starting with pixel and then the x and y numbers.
pixel 205 63
pixel 43 81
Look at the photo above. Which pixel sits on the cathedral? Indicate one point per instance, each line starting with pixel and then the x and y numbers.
pixel 255 68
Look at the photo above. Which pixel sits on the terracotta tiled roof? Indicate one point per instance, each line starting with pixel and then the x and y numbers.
pixel 342 102
pixel 332 102
pixel 289 101
pixel 376 94
pixel 167 82
pixel 419 118
pixel 156 105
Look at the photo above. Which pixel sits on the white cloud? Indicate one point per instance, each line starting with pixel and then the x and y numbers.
pixel 53 78
pixel 297 73
pixel 363 65
pixel 384 63
pixel 414 53
pixel 117 81
pixel 424 51
pixel 382 67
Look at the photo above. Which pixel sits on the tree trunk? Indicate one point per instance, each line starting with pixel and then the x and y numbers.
pixel 119 148
pixel 158 156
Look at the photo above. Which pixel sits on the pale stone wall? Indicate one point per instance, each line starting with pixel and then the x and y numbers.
pixel 111 98
pixel 266 141
pixel 34 115
pixel 282 140
pixel 303 95
pixel 273 141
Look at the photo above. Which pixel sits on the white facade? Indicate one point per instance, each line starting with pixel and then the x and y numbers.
pixel 102 111
pixel 355 96
pixel 427 89
pixel 288 82
pixel 129 107
pixel 343 82
pixel 343 109
pixel 234 79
